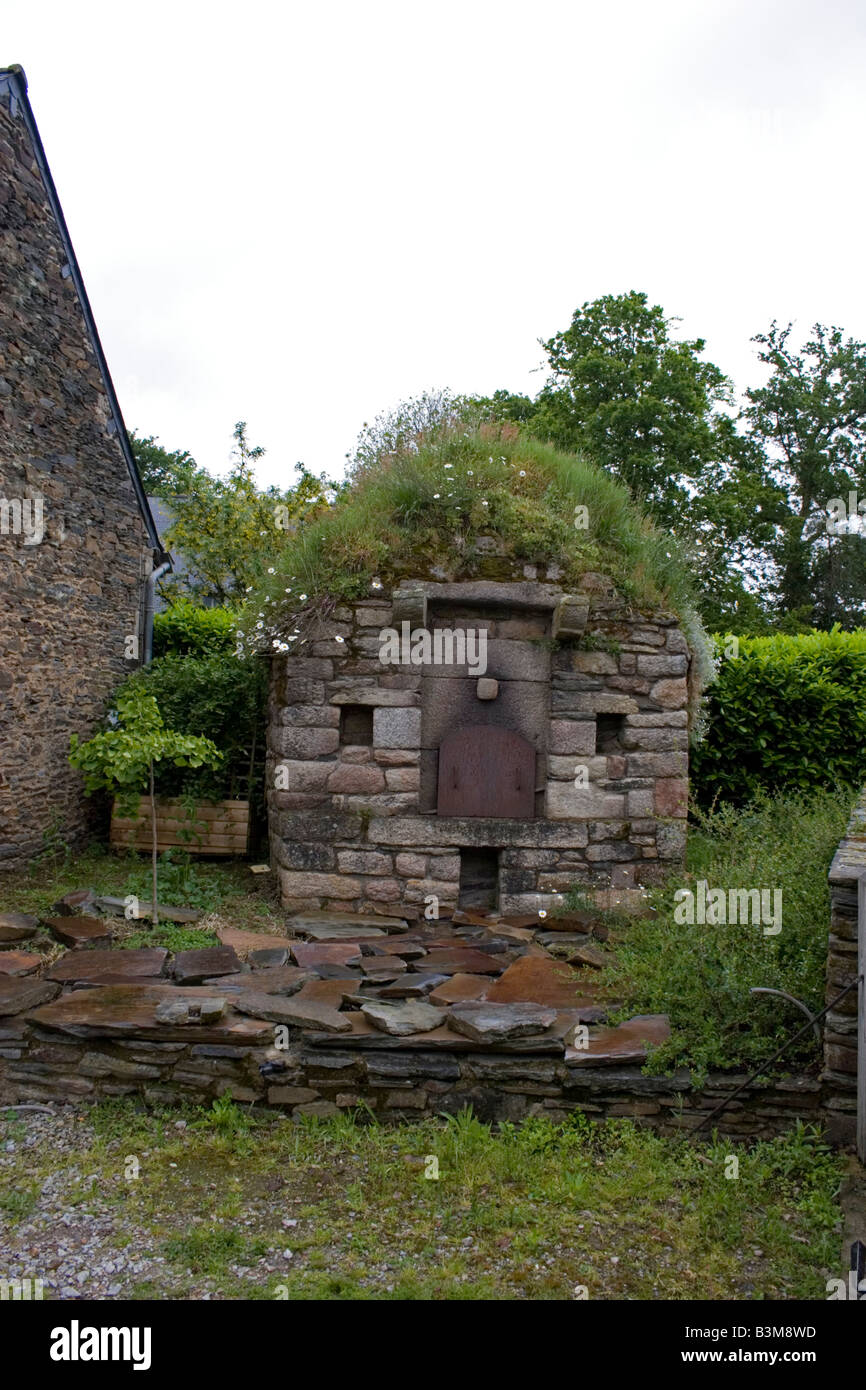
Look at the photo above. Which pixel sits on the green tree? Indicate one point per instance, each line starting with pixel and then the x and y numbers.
pixel 163 473
pixel 809 419
pixel 654 412
pixel 122 758
pixel 230 530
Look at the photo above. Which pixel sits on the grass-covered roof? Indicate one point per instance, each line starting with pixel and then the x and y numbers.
pixel 425 506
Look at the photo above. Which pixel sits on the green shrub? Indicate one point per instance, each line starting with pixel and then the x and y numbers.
pixel 185 629
pixel 785 714
pixel 222 697
pixel 700 976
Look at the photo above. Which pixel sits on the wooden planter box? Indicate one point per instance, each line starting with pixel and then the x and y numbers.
pixel 216 827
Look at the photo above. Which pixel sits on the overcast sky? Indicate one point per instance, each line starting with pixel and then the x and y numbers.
pixel 298 214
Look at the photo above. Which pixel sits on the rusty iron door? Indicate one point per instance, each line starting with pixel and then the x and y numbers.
pixel 486 771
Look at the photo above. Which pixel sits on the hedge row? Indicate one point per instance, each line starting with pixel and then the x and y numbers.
pixel 785 714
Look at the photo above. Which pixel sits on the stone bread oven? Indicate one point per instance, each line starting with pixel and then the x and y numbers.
pixel 478 744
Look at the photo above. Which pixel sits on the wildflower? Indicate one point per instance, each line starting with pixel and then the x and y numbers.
pixel 271 570
pixel 375 583
pixel 523 472
pixel 339 639
pixel 436 495
pixel 302 597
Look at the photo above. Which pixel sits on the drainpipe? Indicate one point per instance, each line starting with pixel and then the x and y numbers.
pixel 149 595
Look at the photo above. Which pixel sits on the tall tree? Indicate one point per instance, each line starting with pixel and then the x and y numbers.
pixel 810 421
pixel 163 472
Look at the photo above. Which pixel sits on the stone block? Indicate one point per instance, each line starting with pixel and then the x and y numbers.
pixel 356 778
pixel 670 694
pixel 567 802
pixel 667 665
pixel 572 736
pixel 363 862
pixel 670 796
pixel 396 728
pixel 312 885
pixel 298 743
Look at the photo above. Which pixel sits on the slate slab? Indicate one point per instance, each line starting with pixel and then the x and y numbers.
pixel 191 967
pixel 538 980
pixel 460 987
pixel 277 979
pixel 365 1035
pixel 293 1012
pixel 17 926
pixel 404 947
pixel 314 923
pixel 87 932
pixel 403 1019
pixel 498 1023
pixel 245 941
pixel 309 954
pixel 264 957
pixel 17 994
pixel 411 987
pixel 128 1011
pixel 119 965
pixel 627 1043
pixel 462 960
pixel 19 962
pixel 339 931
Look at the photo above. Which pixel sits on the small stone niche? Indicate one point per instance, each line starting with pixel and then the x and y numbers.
pixel 479 879
pixel 608 733
pixel 356 725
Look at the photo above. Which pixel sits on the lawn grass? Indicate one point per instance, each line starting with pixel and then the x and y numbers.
pixel 543 1211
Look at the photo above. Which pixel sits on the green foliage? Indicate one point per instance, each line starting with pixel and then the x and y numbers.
pixel 701 975
pixel 221 697
pixel 163 472
pixel 186 629
pixel 809 419
pixel 786 713
pixel 425 500
pixel 120 759
pixel 184 884
pixel 230 531
pixel 169 935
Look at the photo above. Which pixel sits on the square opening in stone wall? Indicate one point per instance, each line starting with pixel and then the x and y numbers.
pixel 608 733
pixel 356 724
pixel 479 879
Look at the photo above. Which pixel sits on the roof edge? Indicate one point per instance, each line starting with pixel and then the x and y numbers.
pixel 14 80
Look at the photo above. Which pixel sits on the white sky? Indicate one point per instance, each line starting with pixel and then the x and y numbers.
pixel 298 214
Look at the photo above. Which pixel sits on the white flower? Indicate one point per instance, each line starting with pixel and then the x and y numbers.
pixel 259 626
pixel 523 472
pixel 302 597
pixel 436 495
pixel 375 583
pixel 294 637
pixel 484 503
pixel 449 465
pixel 288 591
pixel 469 473
pixel 249 589
pixel 271 570
pixel 541 912
pixel 339 639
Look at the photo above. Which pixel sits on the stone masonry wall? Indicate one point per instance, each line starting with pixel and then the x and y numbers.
pixel 67 603
pixel 355 828
pixel 40 1064
pixel 840 1025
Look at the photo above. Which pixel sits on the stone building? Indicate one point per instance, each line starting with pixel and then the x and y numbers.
pixel 555 753
pixel 77 539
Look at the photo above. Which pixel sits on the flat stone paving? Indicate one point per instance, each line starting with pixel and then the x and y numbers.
pixel 475 982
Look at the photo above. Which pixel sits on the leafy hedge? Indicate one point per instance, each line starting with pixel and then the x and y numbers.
pixel 184 629
pixel 222 697
pixel 785 714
